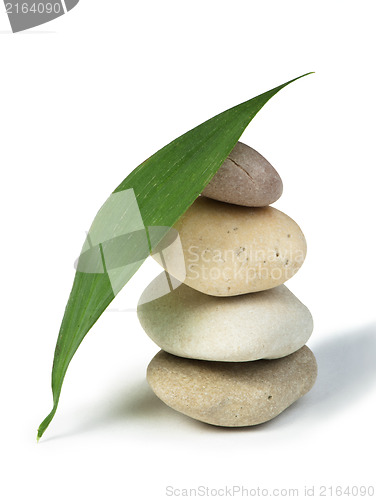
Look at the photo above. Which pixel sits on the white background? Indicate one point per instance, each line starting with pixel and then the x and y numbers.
pixel 84 100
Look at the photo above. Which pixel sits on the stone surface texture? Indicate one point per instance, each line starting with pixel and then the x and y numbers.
pixel 231 250
pixel 188 323
pixel 232 394
pixel 245 178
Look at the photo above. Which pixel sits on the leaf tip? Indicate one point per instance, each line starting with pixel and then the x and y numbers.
pixel 46 422
pixel 302 76
pixel 40 433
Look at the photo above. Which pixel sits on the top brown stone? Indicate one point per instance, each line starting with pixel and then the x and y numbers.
pixel 246 178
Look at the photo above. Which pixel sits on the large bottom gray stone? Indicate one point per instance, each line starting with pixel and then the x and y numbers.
pixel 232 394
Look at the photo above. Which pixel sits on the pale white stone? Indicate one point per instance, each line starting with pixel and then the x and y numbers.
pixel 185 322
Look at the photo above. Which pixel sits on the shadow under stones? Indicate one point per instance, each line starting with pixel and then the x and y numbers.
pixel 346 370
pixel 137 404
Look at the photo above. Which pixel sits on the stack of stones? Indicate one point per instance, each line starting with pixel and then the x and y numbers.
pixel 232 334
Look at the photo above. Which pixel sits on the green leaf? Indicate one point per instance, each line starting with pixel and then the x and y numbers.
pixel 155 194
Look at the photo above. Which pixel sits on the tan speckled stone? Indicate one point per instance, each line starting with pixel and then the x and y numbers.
pixel 191 324
pixel 245 178
pixel 231 250
pixel 232 394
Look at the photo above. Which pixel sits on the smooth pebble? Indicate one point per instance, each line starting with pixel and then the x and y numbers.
pixel 245 178
pixel 191 324
pixel 232 394
pixel 230 250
